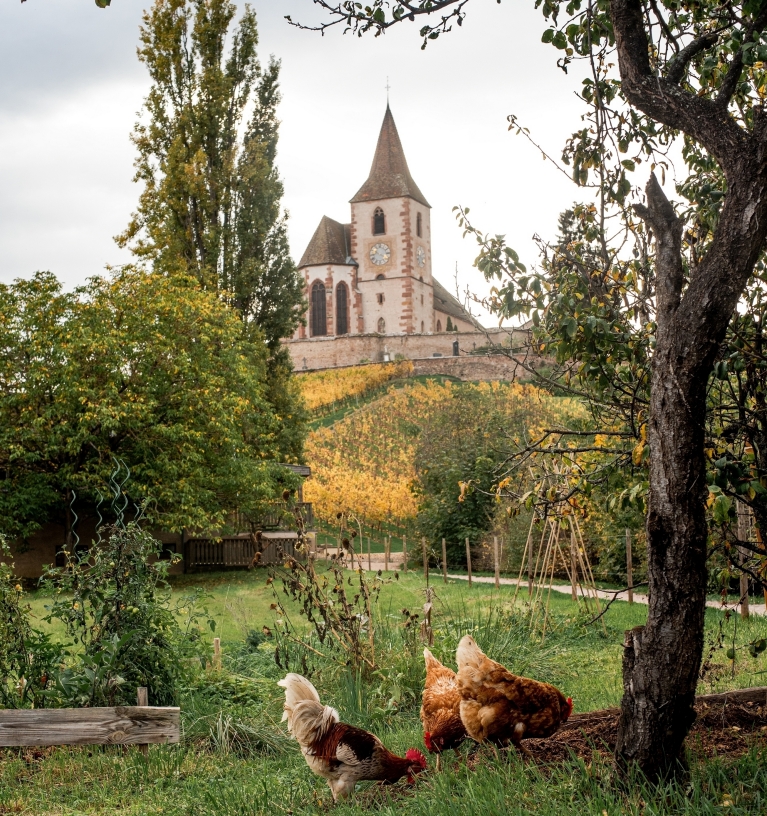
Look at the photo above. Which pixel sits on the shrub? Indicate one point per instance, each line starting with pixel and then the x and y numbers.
pixel 28 657
pixel 115 602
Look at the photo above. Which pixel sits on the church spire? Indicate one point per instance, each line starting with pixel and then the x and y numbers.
pixel 389 176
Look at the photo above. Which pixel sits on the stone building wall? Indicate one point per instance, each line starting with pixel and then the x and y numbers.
pixel 334 352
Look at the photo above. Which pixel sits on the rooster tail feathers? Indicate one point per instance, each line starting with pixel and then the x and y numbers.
pixel 307 718
pixel 468 653
pixel 309 721
pixel 297 689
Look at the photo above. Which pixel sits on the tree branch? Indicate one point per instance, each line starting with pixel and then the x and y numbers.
pixel 667 226
pixel 678 64
pixel 730 81
pixel 701 118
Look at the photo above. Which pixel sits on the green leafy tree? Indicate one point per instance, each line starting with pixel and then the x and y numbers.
pixel 211 200
pixel 456 463
pixel 140 366
pixel 638 322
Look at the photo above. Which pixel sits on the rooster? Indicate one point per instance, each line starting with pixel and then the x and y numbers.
pixel 440 710
pixel 342 754
pixel 500 707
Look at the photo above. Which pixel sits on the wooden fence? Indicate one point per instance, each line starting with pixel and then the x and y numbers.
pixel 238 551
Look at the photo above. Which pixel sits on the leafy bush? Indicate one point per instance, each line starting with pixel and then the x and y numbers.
pixel 28 657
pixel 115 602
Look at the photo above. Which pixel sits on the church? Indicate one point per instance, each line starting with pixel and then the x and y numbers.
pixel 369 283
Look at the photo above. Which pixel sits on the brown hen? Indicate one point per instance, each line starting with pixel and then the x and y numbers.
pixel 440 710
pixel 500 707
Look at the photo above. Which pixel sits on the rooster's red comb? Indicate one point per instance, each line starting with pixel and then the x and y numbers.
pixel 414 755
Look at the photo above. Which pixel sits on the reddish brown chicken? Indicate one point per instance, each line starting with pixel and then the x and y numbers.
pixel 500 707
pixel 440 710
pixel 342 754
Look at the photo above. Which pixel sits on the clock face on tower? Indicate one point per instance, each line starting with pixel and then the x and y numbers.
pixel 420 256
pixel 380 254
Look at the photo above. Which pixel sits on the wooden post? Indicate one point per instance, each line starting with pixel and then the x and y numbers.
pixel 444 561
pixel 743 535
pixel 425 560
pixel 142 699
pixel 404 553
pixel 629 567
pixel 530 564
pixel 760 542
pixel 468 560
pixel 497 563
pixel 369 567
pixel 387 545
pixel 573 563
pixel 217 653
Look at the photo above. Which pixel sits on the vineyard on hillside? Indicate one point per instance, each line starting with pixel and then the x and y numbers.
pixel 365 464
pixel 325 390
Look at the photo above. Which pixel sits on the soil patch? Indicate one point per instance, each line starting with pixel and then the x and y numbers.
pixel 721 729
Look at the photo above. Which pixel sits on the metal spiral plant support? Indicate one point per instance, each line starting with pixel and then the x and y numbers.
pixel 100 522
pixel 118 492
pixel 76 518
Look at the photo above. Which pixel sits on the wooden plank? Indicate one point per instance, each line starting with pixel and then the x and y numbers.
pixel 739 696
pixel 123 725
pixel 736 697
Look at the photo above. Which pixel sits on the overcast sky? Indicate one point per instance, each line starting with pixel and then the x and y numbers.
pixel 71 87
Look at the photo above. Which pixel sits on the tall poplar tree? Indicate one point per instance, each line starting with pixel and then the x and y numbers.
pixel 211 200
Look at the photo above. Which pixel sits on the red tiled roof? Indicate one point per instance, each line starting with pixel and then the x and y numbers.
pixel 329 245
pixel 389 176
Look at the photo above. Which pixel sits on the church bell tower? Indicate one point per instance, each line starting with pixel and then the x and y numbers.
pixel 390 239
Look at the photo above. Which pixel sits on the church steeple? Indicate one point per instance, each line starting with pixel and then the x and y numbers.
pixel 389 176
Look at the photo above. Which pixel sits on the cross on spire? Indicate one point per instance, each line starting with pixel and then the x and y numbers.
pixel 388 88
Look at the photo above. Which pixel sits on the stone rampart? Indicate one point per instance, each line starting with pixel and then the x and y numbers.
pixel 349 350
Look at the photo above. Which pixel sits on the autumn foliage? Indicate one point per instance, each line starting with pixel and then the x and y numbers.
pixel 324 388
pixel 365 464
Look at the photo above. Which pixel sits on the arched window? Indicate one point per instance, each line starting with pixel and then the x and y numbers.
pixel 381 326
pixel 379 222
pixel 380 277
pixel 319 321
pixel 342 309
pixel 418 225
pixel 439 325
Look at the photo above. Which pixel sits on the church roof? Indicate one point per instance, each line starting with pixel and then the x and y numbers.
pixel 329 245
pixel 389 176
pixel 444 302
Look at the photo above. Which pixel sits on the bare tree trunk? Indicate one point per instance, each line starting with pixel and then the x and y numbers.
pixel 662 659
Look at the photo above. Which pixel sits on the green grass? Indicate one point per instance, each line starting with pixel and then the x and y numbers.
pixel 235 758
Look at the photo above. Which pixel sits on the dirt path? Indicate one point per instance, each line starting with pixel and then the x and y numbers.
pixel 566 589
pixel 395 563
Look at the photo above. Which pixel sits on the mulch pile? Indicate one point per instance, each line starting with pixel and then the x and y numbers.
pixel 721 729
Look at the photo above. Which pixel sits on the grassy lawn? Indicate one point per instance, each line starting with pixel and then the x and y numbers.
pixel 235 759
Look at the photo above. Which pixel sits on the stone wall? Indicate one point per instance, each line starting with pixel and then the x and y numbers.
pixel 334 352
pixel 490 367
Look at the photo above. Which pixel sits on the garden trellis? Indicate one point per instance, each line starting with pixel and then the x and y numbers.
pixel 560 533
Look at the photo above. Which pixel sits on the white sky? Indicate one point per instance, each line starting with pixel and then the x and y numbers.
pixel 71 86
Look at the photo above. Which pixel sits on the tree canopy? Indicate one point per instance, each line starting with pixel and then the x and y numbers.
pixel 143 367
